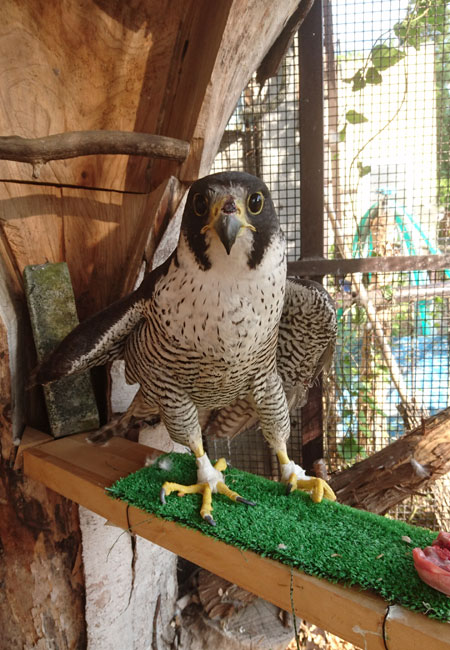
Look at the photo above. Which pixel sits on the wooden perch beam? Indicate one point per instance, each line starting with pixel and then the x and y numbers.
pixel 81 472
pixel 38 151
pixel 311 267
pixel 402 468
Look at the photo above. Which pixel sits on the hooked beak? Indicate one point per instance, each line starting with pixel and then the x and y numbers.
pixel 227 226
pixel 227 217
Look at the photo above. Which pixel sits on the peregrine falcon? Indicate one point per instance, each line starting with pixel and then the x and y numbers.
pixel 204 330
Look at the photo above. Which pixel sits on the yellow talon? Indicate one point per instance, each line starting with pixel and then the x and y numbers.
pixel 185 489
pixel 221 465
pixel 225 490
pixel 318 488
pixel 293 482
pixel 205 489
pixel 206 509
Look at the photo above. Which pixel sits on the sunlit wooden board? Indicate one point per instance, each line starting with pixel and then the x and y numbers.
pixel 80 472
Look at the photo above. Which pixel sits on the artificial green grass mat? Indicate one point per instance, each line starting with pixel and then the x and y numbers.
pixel 328 540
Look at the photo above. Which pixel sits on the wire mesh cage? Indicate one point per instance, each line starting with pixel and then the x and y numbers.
pixel 387 170
pixel 386 70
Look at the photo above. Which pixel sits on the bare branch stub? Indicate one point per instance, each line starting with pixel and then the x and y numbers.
pixel 37 151
pixel 405 466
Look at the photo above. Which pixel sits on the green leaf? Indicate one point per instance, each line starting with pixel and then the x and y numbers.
pixel 384 56
pixel 357 80
pixel 355 118
pixel 363 169
pixel 373 76
pixel 409 32
pixel 349 448
pixel 343 134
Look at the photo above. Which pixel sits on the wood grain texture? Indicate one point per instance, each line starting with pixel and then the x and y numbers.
pixel 173 68
pixel 41 568
pixel 80 472
pixel 82 65
pixel 101 235
pixel 409 464
pixel 40 561
pixel 239 34
pixel 169 68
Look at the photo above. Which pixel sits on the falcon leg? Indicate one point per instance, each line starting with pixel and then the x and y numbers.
pixel 209 480
pixel 296 479
pixel 273 412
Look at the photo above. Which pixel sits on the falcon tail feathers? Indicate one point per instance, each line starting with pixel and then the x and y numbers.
pixel 232 420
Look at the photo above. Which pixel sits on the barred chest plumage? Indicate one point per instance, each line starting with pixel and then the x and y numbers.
pixel 212 332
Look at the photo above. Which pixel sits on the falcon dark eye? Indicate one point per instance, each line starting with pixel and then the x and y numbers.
pixel 255 203
pixel 200 204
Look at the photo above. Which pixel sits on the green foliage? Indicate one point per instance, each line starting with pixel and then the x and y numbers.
pixel 357 80
pixel 349 449
pixel 363 170
pixel 425 21
pixel 343 133
pixel 384 56
pixel 353 117
pixel 373 76
pixel 444 191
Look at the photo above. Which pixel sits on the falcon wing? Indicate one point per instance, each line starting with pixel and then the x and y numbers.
pixel 307 337
pixel 306 343
pixel 102 337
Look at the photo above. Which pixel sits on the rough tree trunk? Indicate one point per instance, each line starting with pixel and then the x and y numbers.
pixel 407 465
pixel 41 572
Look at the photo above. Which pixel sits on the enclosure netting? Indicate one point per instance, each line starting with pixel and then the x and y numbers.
pixel 387 194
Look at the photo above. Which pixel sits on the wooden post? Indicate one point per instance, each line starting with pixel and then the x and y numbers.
pixel 311 201
pixel 41 570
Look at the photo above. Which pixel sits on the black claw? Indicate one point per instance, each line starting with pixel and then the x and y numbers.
pixel 209 520
pixel 288 488
pixel 246 501
pixel 162 496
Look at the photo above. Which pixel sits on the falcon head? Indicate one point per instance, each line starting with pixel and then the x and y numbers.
pixel 228 210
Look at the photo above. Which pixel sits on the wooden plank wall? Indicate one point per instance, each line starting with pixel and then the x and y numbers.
pixel 172 68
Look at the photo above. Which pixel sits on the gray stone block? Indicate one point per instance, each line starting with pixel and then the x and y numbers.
pixel 70 401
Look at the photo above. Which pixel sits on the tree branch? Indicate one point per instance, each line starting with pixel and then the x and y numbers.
pixel 407 465
pixel 37 151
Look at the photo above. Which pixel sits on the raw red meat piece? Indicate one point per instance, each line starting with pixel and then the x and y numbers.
pixel 433 563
